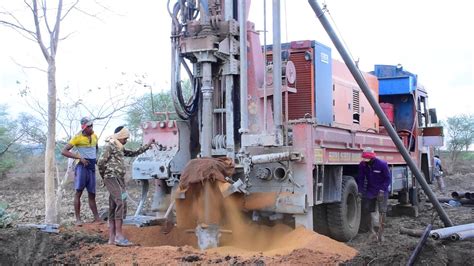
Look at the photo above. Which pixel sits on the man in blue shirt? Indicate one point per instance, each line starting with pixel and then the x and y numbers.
pixel 373 181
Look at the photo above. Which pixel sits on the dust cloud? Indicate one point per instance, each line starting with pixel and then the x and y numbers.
pixel 248 237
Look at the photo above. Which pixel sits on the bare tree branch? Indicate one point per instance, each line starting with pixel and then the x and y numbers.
pixel 67 36
pixel 55 35
pixel 69 9
pixel 46 16
pixel 88 14
pixel 46 55
pixel 2 152
pixel 17 27
pixel 27 67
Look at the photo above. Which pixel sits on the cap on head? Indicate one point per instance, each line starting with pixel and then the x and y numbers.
pixel 85 122
pixel 368 153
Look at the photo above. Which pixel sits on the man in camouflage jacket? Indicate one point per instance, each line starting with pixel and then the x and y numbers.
pixel 112 169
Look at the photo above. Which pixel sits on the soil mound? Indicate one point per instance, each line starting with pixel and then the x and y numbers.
pixel 285 246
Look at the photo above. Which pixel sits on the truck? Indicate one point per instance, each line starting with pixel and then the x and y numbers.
pixel 292 119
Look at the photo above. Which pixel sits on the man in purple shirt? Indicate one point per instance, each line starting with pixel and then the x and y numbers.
pixel 373 182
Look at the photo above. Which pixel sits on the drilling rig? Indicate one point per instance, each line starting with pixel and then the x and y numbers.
pixel 292 119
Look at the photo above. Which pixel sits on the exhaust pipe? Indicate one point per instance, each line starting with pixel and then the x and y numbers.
pixel 280 173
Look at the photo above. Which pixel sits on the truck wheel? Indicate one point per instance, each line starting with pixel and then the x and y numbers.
pixel 320 219
pixel 344 216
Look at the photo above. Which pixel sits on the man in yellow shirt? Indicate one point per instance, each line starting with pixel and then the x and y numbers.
pixel 85 142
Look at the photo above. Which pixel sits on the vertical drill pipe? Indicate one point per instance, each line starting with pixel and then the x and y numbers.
pixel 145 186
pixel 229 9
pixel 419 246
pixel 207 202
pixel 378 110
pixel 229 92
pixel 277 97
pixel 265 66
pixel 244 114
pixel 229 115
pixel 207 115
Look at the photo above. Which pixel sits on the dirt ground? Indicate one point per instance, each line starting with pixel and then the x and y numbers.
pixel 88 244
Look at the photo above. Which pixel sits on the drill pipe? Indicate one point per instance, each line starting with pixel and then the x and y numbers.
pixel 463 235
pixel 448 231
pixel 411 232
pixel 419 246
pixel 458 195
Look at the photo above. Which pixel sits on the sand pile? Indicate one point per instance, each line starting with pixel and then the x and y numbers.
pixel 248 243
pixel 281 240
pixel 268 244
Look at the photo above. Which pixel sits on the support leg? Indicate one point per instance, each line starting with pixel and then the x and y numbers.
pixel 305 220
pixel 145 186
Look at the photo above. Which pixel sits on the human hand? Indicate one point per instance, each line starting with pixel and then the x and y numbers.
pixel 84 161
pixel 151 141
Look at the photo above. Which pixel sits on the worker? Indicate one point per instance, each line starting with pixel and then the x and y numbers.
pixel 85 143
pixel 112 170
pixel 438 173
pixel 373 181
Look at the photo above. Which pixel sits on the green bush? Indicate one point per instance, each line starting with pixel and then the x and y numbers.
pixel 6 163
pixel 6 219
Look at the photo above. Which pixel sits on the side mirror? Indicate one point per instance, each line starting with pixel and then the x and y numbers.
pixel 433 117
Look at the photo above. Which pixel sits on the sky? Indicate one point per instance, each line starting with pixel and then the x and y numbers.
pixel 429 38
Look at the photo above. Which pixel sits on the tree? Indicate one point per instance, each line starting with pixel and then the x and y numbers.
pixel 45 32
pixel 8 138
pixel 149 107
pixel 116 98
pixel 460 133
pixel 16 136
pixel 144 109
pixel 49 47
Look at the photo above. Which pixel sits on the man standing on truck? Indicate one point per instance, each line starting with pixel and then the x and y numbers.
pixel 373 181
pixel 112 169
pixel 85 142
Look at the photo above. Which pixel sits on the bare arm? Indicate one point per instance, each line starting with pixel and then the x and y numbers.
pixel 66 152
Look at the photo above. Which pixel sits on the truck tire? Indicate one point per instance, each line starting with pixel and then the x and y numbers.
pixel 320 219
pixel 344 216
